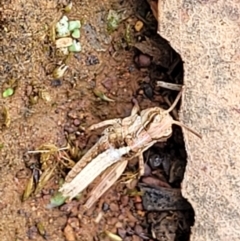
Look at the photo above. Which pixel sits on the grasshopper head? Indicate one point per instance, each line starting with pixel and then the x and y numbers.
pixel 160 126
pixel 158 122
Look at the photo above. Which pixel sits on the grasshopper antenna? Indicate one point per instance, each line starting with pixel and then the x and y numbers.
pixel 178 123
pixel 175 101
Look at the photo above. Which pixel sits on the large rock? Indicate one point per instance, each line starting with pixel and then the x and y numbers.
pixel 206 34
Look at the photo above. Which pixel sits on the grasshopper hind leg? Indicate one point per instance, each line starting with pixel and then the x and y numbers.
pixel 105 123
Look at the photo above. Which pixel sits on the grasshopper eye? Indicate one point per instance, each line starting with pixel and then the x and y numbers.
pixel 157 118
pixel 167 132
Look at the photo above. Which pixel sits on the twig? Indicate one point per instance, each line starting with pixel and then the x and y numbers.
pixel 169 86
pixel 46 151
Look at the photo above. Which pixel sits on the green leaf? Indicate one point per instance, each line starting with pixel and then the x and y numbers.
pixel 75 47
pixel 29 189
pixel 76 33
pixel 74 25
pixel 56 201
pixel 41 229
pixel 8 92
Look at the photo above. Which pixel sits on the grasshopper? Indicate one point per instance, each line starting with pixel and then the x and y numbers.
pixel 123 140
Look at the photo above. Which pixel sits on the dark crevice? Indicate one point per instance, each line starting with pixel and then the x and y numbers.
pixel 170 216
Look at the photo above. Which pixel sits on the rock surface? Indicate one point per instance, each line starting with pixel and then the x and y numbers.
pixel 206 35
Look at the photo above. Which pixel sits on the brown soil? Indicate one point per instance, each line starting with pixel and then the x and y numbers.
pixel 44 110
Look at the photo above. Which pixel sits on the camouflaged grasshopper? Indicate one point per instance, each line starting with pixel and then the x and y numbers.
pixel 123 140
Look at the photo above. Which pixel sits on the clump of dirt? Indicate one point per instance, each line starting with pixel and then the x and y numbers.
pixel 119 60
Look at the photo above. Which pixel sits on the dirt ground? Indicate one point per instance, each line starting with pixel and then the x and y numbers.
pixel 46 110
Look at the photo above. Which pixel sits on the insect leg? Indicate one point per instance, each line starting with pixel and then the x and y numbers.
pixel 110 176
pixel 136 107
pixel 105 123
pixel 141 159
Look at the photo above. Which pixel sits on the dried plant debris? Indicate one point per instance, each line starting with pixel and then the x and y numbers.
pixel 170 86
pixel 46 175
pixel 45 95
pixel 5 119
pixel 1 146
pixel 42 230
pixel 64 42
pixel 51 161
pixel 102 96
pixel 68 7
pixel 59 71
pixel 29 189
pixel 151 48
pixel 113 20
pixel 113 236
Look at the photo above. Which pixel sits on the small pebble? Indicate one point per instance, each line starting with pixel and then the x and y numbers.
pixel 69 129
pixel 76 122
pixel 62 221
pixel 136 238
pixel 29 90
pixel 147 170
pixel 137 199
pixel 148 90
pixel 143 60
pixel 105 207
pixel 46 197
pixel 72 114
pixel 156 160
pixel 138 229
pixel 114 207
pixel 139 206
pixel 108 83
pixel 69 233
pixel 124 200
pixel 121 232
pixel 141 213
pixel 131 224
pixel 45 191
pixel 56 83
pixel 121 217
pixel 32 232
pixel 131 218
pixel 69 206
pixel 113 230
pixel 119 225
pixel 92 60
pixel 74 222
pixel 112 221
pixel 129 230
